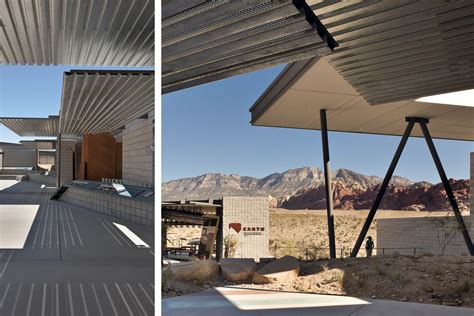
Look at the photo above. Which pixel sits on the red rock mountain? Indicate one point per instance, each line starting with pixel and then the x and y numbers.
pixel 303 188
pixel 418 196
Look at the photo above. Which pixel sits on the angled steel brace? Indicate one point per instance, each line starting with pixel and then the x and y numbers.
pixel 411 122
pixel 447 188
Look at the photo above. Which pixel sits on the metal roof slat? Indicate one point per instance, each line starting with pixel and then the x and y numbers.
pixel 123 22
pixel 143 100
pixel 432 73
pixel 172 7
pixel 117 101
pixel 100 106
pixel 232 12
pixel 413 93
pixel 139 35
pixel 238 44
pixel 130 31
pixel 84 111
pixel 292 56
pixel 85 32
pixel 358 45
pixel 396 63
pixel 261 50
pixel 273 16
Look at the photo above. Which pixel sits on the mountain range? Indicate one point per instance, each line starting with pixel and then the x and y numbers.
pixel 303 188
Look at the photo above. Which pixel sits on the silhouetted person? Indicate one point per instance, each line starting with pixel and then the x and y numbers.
pixel 369 246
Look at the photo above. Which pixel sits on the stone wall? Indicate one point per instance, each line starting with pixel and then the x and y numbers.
pixel 137 148
pixel 247 220
pixel 133 210
pixel 431 234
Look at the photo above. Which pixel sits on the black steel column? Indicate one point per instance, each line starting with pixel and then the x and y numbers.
pixel 383 188
pixel 58 163
pixel 447 187
pixel 327 182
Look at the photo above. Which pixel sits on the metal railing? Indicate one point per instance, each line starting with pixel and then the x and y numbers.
pixel 316 253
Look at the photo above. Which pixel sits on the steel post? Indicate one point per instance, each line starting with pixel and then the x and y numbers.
pixel 327 182
pixel 383 188
pixel 447 187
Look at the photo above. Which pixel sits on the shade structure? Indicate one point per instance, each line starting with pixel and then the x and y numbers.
pixel 95 101
pixel 73 32
pixel 204 41
pixel 296 97
pixel 39 144
pixel 398 50
pixel 35 127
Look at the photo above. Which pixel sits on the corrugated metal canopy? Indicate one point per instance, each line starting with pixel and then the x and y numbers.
pixel 76 32
pixel 204 41
pixel 96 101
pixel 398 50
pixel 294 99
pixel 39 144
pixel 35 127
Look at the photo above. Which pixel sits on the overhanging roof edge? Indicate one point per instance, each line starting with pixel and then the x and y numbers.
pixel 362 133
pixel 279 86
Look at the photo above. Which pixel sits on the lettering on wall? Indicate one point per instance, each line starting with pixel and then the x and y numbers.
pixel 248 230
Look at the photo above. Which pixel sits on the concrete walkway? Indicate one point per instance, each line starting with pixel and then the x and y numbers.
pixel 73 262
pixel 231 301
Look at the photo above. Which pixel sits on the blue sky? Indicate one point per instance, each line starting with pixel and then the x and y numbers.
pixel 206 129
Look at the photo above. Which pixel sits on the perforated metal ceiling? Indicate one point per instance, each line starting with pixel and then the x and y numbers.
pixel 77 32
pixel 204 41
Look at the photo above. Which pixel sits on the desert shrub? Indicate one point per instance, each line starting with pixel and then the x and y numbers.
pixel 379 269
pixel 165 278
pixel 399 278
pixel 446 230
pixel 357 279
pixel 465 287
pixel 230 245
pixel 325 266
pixel 337 276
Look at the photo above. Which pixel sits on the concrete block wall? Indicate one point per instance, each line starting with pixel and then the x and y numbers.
pixel 18 156
pixel 471 191
pixel 424 232
pixel 133 210
pixel 253 216
pixel 421 232
pixel 68 147
pixel 49 181
pixel 138 144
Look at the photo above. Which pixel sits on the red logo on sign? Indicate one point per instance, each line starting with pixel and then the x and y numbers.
pixel 236 226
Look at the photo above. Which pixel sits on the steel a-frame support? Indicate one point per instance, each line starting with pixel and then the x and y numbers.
pixel 327 182
pixel 383 187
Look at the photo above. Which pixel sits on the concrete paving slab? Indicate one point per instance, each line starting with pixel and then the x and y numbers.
pixel 15 224
pixel 74 261
pixel 238 301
